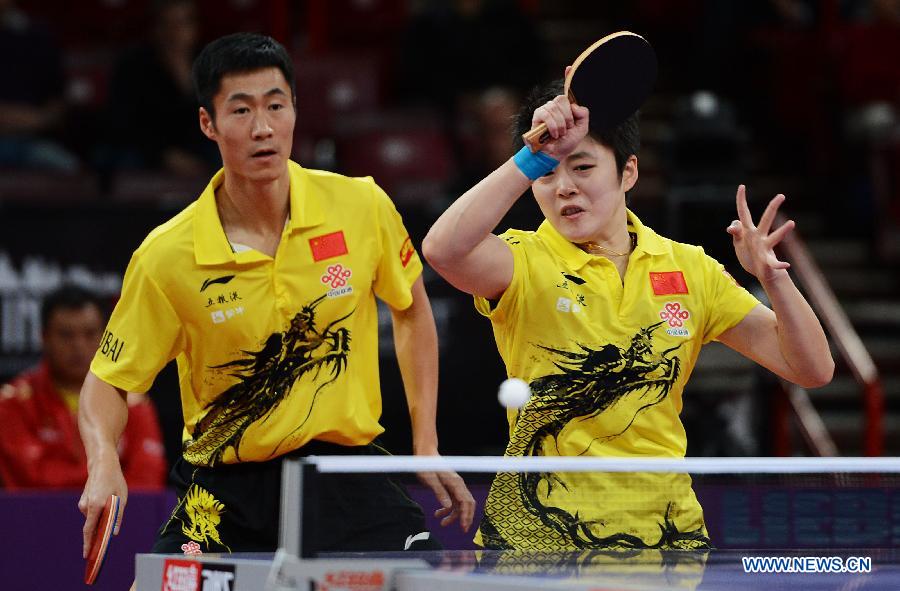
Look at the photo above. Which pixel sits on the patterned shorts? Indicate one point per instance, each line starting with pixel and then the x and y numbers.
pixel 236 508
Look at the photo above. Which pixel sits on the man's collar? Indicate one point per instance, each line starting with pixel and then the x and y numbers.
pixel 211 246
pixel 307 209
pixel 648 242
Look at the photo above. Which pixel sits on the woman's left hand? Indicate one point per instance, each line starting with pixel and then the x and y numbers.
pixel 754 245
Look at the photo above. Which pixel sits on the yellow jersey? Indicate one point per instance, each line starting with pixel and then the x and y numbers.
pixel 606 358
pixel 272 352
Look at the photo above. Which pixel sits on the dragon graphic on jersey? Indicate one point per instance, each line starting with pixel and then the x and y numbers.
pixel 672 568
pixel 591 381
pixel 265 378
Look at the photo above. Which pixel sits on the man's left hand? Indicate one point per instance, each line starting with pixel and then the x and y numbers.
pixel 454 497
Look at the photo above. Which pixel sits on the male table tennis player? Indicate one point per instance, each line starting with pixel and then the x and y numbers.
pixel 605 318
pixel 263 290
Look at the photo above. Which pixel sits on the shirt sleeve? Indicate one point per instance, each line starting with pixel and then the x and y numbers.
pixel 399 265
pixel 729 303
pixel 143 333
pixel 502 310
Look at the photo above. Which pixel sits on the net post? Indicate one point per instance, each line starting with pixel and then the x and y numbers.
pixel 873 396
pixel 781 421
pixel 297 526
pixel 290 523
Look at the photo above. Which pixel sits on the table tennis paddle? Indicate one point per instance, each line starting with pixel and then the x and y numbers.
pixel 612 78
pixel 100 544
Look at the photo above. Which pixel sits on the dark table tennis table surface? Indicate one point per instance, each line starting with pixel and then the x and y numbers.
pixel 621 569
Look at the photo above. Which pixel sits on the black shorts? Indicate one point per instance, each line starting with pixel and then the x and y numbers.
pixel 236 508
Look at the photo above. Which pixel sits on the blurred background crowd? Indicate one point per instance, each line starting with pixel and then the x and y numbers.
pixel 99 143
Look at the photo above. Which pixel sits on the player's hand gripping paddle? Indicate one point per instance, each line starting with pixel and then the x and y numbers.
pixel 612 78
pixel 100 544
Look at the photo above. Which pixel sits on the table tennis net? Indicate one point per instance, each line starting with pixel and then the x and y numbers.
pixel 629 505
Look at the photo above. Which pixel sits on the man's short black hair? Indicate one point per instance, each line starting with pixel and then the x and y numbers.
pixel 237 53
pixel 70 297
pixel 624 140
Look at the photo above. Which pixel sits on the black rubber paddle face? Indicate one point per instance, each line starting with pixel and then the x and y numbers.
pixel 614 79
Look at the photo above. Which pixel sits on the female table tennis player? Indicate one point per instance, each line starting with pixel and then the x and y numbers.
pixel 604 318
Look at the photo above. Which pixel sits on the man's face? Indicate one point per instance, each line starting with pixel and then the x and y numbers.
pixel 254 124
pixel 585 194
pixel 70 337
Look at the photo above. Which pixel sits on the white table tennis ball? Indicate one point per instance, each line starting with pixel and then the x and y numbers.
pixel 513 393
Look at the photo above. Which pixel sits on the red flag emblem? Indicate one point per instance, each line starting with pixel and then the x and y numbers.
pixel 668 283
pixel 406 251
pixel 328 246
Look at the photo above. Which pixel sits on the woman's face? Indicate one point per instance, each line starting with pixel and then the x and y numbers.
pixel 583 196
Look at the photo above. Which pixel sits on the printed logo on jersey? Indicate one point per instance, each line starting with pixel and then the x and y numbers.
pixel 111 346
pixel 406 252
pixel 568 283
pixel 567 305
pixel 192 548
pixel 220 280
pixel 223 298
pixel 337 277
pixel 675 316
pixel 220 316
pixel 328 246
pixel 668 283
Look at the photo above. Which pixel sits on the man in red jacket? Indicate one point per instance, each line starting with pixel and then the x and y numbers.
pixel 39 442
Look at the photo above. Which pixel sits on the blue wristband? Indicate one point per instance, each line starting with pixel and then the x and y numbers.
pixel 534 165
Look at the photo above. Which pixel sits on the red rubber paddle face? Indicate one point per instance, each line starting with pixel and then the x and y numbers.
pixel 100 544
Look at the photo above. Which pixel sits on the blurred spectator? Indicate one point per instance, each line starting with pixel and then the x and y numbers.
pixel 31 96
pixel 486 136
pixel 455 49
pixel 496 110
pixel 872 11
pixel 39 445
pixel 464 46
pixel 152 108
pixel 869 93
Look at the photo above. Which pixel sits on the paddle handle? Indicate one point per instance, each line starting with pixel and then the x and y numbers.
pixel 537 137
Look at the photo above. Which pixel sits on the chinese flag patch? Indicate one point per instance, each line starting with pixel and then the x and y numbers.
pixel 406 251
pixel 668 283
pixel 328 246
